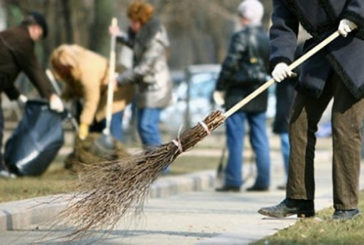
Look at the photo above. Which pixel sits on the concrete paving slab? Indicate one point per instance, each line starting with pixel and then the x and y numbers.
pixel 202 217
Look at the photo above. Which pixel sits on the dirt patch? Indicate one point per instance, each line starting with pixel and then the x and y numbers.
pixel 84 153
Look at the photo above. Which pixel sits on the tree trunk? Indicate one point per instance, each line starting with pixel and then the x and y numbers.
pixel 2 16
pixel 67 17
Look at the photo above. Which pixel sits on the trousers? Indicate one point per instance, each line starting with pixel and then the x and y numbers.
pixel 346 119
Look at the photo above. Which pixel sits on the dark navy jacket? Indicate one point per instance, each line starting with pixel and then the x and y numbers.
pixel 238 58
pixel 320 18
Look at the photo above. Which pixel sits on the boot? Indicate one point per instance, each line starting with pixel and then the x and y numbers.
pixel 346 214
pixel 288 207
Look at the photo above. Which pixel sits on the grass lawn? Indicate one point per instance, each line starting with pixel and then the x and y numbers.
pixel 59 180
pixel 321 230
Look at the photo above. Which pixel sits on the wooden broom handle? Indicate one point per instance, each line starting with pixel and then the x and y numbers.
pixel 110 86
pixel 271 81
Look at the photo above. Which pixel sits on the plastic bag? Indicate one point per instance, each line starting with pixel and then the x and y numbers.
pixel 36 141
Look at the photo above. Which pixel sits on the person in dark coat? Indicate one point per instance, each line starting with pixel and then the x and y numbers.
pixel 285 93
pixel 335 72
pixel 243 71
pixel 17 55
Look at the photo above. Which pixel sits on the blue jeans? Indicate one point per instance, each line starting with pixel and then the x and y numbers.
pixel 235 130
pixel 285 150
pixel 116 125
pixel 148 120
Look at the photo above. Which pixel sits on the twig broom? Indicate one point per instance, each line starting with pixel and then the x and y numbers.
pixel 111 189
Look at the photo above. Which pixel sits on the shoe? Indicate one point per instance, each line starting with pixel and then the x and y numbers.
pixel 346 214
pixel 288 207
pixel 256 188
pixel 5 174
pixel 226 188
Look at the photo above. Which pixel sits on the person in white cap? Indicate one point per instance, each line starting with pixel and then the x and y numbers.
pixel 244 70
pixel 334 73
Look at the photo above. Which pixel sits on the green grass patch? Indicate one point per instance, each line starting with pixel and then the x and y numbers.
pixel 321 230
pixel 58 180
pixel 54 181
pixel 188 164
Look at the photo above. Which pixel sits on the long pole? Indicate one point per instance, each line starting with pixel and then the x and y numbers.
pixel 110 86
pixel 58 91
pixel 292 66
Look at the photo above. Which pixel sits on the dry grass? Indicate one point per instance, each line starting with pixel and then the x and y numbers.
pixel 55 180
pixel 321 230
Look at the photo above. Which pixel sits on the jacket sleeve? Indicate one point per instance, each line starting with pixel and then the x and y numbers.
pixel 91 88
pixel 283 34
pixel 126 38
pixel 231 63
pixel 154 50
pixel 355 12
pixel 12 92
pixel 27 61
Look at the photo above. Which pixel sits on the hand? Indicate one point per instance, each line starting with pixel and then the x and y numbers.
pixel 126 77
pixel 281 72
pixel 114 30
pixel 346 26
pixel 83 131
pixel 55 103
pixel 115 82
pixel 22 99
pixel 219 97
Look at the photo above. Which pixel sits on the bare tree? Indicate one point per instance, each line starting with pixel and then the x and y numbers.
pixel 199 30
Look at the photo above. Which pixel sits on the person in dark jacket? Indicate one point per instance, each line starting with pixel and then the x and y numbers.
pixel 243 71
pixel 285 93
pixel 17 55
pixel 335 72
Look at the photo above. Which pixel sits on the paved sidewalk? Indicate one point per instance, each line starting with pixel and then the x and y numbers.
pixel 199 217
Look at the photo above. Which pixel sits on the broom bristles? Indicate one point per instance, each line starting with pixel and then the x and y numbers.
pixel 110 190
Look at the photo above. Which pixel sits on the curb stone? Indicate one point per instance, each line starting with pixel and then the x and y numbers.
pixel 24 214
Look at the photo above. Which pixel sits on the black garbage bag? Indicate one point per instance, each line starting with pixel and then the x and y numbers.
pixel 36 141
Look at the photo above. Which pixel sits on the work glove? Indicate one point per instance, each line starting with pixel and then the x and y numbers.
pixel 126 77
pixel 83 131
pixel 346 26
pixel 22 99
pixel 219 97
pixel 55 103
pixel 281 72
pixel 115 31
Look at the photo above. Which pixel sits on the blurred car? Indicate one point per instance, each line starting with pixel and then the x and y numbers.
pixel 193 100
pixel 192 97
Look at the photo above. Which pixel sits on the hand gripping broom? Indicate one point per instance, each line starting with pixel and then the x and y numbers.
pixel 109 190
pixel 104 145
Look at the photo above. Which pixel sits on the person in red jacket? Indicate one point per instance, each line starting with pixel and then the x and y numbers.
pixel 17 55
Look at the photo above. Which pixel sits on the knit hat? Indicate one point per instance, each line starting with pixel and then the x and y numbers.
pixel 252 10
pixel 36 18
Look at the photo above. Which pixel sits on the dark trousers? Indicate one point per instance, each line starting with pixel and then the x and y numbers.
pixel 1 138
pixel 346 119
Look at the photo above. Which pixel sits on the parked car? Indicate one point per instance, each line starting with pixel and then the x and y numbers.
pixel 192 97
